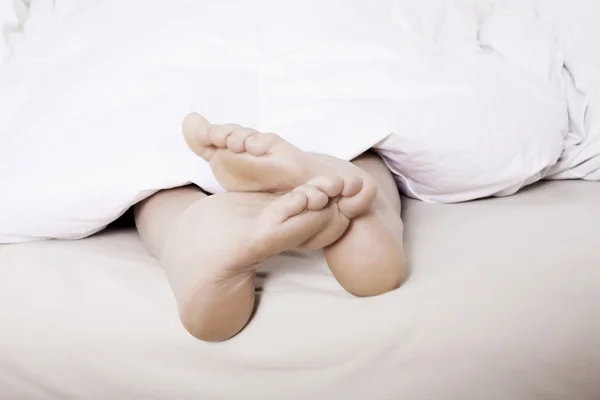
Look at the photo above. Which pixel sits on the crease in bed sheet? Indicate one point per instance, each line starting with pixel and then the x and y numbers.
pixel 96 319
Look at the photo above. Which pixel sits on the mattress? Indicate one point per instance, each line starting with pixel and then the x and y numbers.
pixel 502 303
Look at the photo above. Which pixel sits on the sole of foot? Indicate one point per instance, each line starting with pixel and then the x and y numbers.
pixel 245 160
pixel 367 260
pixel 218 242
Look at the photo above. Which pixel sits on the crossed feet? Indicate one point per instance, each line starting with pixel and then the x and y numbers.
pixel 299 200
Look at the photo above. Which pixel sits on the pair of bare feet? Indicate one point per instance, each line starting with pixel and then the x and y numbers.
pixel 278 198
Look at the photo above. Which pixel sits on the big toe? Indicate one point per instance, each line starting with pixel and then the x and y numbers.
pixel 308 197
pixel 289 205
pixel 317 199
pixel 357 197
pixel 195 130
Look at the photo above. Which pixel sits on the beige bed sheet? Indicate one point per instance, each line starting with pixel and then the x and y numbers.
pixel 502 303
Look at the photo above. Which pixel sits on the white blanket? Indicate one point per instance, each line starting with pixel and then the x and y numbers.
pixel 13 13
pixel 464 99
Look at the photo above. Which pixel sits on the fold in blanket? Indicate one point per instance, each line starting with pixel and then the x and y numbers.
pixel 13 15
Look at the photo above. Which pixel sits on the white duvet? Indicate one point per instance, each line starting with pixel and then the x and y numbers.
pixel 12 14
pixel 464 99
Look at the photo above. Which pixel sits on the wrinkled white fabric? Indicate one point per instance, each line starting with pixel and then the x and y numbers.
pixel 580 35
pixel 13 14
pixel 463 98
pixel 487 113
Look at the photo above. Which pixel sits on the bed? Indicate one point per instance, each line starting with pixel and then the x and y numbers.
pixel 502 303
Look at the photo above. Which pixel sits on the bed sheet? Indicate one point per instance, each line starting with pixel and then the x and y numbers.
pixel 502 303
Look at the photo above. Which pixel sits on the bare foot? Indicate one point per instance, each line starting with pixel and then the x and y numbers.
pixel 212 270
pixel 368 259
pixel 245 160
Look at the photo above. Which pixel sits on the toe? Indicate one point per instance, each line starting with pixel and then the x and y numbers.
pixel 317 200
pixel 195 132
pixel 236 142
pixel 289 205
pixel 219 134
pixel 259 144
pixel 332 187
pixel 353 205
pixel 352 186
